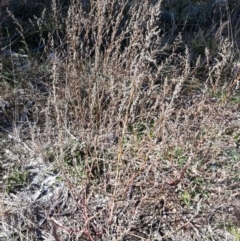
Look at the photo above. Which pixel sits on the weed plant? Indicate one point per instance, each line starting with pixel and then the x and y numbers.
pixel 128 118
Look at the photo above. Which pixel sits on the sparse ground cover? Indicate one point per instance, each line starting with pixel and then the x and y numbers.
pixel 120 121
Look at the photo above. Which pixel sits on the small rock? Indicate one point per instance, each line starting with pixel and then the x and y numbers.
pixel 4 104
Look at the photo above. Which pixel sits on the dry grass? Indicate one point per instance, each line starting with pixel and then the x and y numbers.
pixel 127 136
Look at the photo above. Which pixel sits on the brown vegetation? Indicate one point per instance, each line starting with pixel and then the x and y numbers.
pixel 124 125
